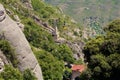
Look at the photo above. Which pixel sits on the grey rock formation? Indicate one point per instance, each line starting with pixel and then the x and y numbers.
pixel 4 59
pixel 16 38
pixel 1 65
pixel 2 13
pixel 77 48
pixel 27 3
pixel 18 21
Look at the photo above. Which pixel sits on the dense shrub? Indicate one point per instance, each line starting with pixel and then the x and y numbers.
pixel 10 73
pixel 103 54
pixel 8 51
pixel 28 75
pixel 51 67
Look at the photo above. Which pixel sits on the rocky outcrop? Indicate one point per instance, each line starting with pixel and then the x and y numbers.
pixel 18 21
pixel 1 65
pixel 77 48
pixel 4 59
pixel 17 40
pixel 27 3
pixel 54 31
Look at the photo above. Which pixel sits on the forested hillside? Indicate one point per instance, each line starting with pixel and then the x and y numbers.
pixel 103 55
pixel 33 32
pixel 90 13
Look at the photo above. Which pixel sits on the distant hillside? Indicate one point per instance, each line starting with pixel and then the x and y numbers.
pixel 93 13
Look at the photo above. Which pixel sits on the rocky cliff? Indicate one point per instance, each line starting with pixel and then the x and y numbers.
pixel 16 38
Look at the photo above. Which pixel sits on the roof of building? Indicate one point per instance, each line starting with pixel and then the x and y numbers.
pixel 79 68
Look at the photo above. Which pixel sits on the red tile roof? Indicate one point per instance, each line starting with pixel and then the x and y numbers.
pixel 79 68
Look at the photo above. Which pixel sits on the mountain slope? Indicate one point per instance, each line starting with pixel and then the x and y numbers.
pixel 34 34
pixel 54 37
pixel 90 13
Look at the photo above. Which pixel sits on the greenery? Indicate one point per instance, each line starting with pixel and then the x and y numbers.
pixel 40 38
pixel 9 52
pixel 11 73
pixel 51 55
pixel 94 13
pixel 67 73
pixel 28 75
pixel 51 67
pixel 49 14
pixel 102 54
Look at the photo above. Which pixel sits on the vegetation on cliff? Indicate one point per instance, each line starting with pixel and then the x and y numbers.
pixel 101 52
pixel 8 52
pixel 10 71
pixel 42 39
pixel 51 55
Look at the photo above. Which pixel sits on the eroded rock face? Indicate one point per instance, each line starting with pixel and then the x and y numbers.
pixel 4 59
pixel 16 38
pixel 18 21
pixel 27 4
pixel 1 65
pixel 77 48
pixel 2 13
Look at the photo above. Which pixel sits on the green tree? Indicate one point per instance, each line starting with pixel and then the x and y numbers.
pixel 100 67
pixel 28 75
pixel 11 73
pixel 93 47
pixel 52 68
pixel 63 52
pixel 114 26
pixel 103 54
pixel 114 61
pixel 67 73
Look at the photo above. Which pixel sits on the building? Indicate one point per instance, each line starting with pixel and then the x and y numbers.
pixel 77 70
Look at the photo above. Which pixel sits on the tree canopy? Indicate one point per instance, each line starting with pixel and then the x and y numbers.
pixel 103 54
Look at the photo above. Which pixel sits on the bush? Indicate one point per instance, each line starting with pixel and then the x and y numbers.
pixel 28 75
pixel 9 52
pixel 51 67
pixel 11 73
